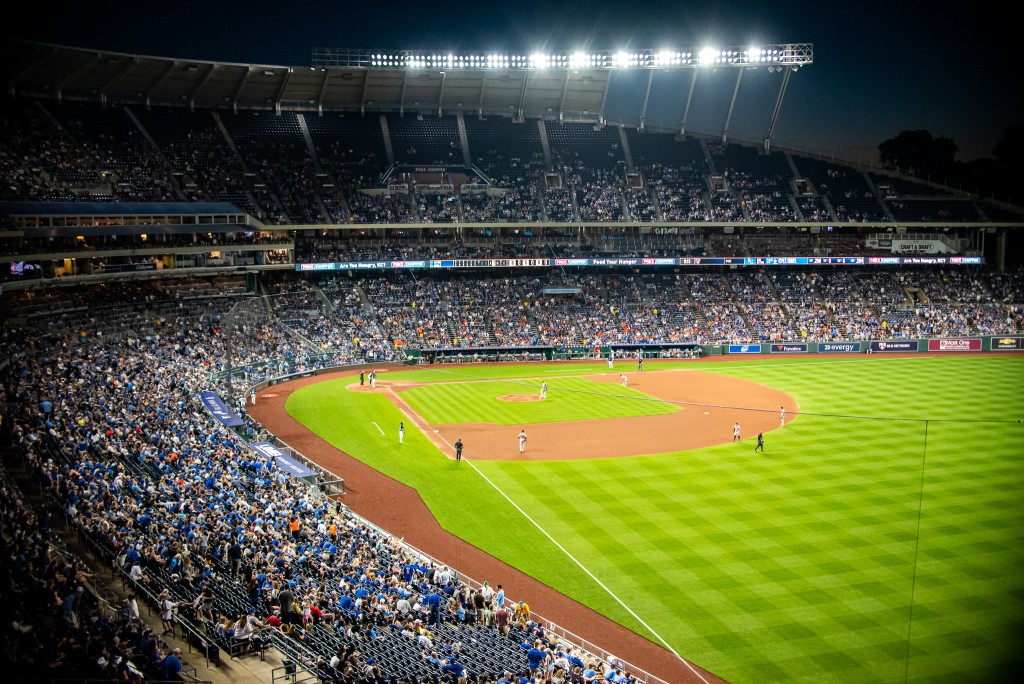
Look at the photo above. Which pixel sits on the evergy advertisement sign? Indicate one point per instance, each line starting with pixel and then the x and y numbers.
pixel 954 345
pixel 215 405
pixel 284 462
pixel 834 347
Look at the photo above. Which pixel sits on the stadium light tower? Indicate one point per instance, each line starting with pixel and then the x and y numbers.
pixel 786 58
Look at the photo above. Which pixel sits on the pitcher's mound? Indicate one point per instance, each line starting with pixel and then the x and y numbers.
pixel 519 397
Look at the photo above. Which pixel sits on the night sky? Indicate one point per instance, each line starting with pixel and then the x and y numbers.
pixel 879 67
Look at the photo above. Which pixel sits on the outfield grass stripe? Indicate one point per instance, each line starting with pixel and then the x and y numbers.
pixel 819 530
pixel 571 557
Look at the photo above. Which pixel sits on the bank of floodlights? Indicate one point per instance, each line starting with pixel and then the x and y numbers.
pixel 791 54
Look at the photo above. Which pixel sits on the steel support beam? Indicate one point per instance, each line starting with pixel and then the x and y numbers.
pixel 199 86
pixel 238 88
pixel 280 91
pixel 732 105
pixel 75 73
pixel 647 98
pixel 112 81
pixel 164 73
pixel 440 95
pixel 323 92
pixel 775 111
pixel 689 100
pixel 522 95
pixel 483 85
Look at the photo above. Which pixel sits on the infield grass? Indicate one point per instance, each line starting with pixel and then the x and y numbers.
pixel 568 399
pixel 880 538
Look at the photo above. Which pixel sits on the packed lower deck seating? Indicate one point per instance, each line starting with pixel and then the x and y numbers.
pixel 222 541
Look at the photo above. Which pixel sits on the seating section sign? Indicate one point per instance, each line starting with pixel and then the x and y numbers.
pixel 284 462
pixel 216 406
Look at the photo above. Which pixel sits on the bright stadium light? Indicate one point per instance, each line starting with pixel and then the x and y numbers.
pixel 790 55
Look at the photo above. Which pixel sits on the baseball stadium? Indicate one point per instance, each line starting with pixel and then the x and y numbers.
pixel 419 367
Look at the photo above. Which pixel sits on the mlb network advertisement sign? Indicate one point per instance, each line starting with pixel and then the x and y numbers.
pixel 789 348
pixel 894 346
pixel 1007 343
pixel 954 345
pixel 744 349
pixel 841 347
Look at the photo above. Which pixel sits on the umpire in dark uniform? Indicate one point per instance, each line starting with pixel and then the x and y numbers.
pixel 458 450
pixel 760 442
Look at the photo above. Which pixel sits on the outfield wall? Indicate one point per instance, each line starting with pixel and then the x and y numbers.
pixel 996 343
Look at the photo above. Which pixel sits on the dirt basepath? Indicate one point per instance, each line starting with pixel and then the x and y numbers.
pixel 399 509
pixel 709 406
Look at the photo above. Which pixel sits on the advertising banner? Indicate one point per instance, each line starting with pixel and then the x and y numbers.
pixel 744 349
pixel 215 405
pixel 894 346
pixel 834 347
pixel 1007 343
pixel 954 345
pixel 919 247
pixel 789 348
pixel 917 259
pixel 284 462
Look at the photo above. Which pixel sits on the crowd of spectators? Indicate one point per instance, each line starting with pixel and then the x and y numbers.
pixel 264 165
pixel 638 201
pixel 220 539
pixel 558 204
pixel 54 624
pixel 600 199
pixel 380 208
pixel 437 207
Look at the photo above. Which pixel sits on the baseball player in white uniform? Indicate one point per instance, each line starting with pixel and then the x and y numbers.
pixel 736 432
pixel 782 416
pixel 522 441
pixel 544 390
pixel 624 381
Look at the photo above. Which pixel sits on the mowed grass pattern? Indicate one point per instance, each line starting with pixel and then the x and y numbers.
pixel 568 399
pixel 854 549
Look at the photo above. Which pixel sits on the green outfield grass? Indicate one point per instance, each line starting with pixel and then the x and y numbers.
pixel 568 399
pixel 861 547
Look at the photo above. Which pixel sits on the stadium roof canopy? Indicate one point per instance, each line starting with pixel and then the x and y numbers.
pixel 548 85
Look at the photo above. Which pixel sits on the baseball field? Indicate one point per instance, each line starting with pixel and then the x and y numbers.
pixel 878 538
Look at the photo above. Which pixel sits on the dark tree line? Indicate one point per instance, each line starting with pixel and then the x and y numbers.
pixel 1000 177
